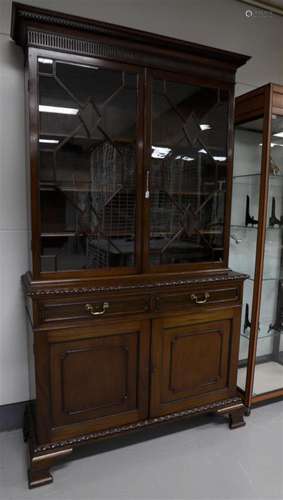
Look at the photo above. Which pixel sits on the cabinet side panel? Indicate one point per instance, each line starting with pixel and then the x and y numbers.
pixel 30 343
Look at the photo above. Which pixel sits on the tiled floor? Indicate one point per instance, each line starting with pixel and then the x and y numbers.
pixel 202 459
pixel 268 377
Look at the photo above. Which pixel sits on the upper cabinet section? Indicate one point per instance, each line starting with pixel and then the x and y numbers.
pixel 130 143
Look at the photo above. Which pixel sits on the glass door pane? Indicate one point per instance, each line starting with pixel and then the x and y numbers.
pixel 244 223
pixel 269 356
pixel 188 173
pixel 87 168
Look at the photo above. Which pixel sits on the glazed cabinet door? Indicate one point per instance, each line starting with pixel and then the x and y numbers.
pixel 88 163
pixel 97 378
pixel 188 173
pixel 193 361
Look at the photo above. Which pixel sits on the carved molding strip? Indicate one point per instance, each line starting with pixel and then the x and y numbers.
pixel 58 20
pixel 229 403
pixel 79 46
pixel 32 291
pixel 92 48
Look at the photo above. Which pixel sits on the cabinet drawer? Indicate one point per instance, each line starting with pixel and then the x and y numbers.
pixel 197 298
pixel 92 308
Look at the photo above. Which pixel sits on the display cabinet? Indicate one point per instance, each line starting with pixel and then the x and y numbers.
pixel 135 316
pixel 256 239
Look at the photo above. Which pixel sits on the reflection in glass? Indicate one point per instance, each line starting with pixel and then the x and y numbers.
pixel 188 173
pixel 87 148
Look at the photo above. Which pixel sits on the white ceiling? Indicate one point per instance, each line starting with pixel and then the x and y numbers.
pixel 273 5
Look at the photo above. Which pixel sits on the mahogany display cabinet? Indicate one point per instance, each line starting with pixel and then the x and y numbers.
pixel 256 239
pixel 135 316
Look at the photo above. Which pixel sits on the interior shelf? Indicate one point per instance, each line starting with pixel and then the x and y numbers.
pixel 268 228
pixel 246 175
pixel 266 335
pixel 251 278
pixel 62 136
pixel 51 186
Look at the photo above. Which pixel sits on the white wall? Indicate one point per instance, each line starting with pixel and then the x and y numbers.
pixel 220 23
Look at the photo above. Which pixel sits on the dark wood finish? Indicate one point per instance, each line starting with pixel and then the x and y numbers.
pixel 107 306
pixel 54 311
pixel 237 419
pixel 267 396
pixel 119 349
pixel 47 289
pixel 112 363
pixel 39 463
pixel 196 298
pixel 277 99
pixel 178 379
pixel 250 106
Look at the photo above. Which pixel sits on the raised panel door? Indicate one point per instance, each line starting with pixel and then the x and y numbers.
pixel 98 376
pixel 192 362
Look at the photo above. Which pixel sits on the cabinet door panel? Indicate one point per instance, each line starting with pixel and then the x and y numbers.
pixel 195 359
pixel 191 363
pixel 88 164
pixel 95 375
pixel 100 378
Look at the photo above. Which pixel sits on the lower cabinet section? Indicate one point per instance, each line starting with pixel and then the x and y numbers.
pixel 192 361
pixel 98 380
pixel 111 374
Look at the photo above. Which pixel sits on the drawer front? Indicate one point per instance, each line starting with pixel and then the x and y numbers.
pixel 197 298
pixel 92 308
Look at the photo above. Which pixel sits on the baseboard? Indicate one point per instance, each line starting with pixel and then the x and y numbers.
pixel 11 416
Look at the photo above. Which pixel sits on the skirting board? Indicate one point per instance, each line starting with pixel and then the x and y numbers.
pixel 11 416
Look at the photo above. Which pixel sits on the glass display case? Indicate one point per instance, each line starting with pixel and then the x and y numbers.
pixel 256 240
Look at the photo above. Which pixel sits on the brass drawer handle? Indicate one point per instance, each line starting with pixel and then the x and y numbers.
pixel 91 309
pixel 196 300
